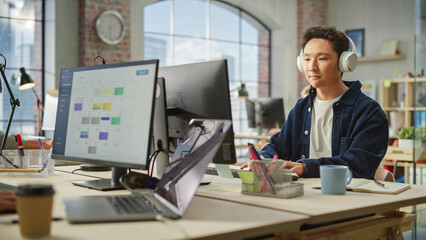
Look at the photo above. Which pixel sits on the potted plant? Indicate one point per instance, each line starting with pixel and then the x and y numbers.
pixel 406 137
pixel 420 134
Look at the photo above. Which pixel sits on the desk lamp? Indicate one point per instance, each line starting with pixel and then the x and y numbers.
pixel 13 102
pixel 241 90
pixel 27 83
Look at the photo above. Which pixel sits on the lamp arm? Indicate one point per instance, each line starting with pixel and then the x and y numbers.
pixel 13 102
pixel 39 103
pixel 12 97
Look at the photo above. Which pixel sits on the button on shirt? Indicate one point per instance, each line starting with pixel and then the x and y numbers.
pixel 359 137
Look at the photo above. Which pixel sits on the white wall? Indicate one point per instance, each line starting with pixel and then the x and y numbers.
pixel 381 19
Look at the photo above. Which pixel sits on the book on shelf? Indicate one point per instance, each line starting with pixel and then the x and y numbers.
pixel 366 185
pixel 419 118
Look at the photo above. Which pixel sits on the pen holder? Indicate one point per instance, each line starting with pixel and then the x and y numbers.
pixel 270 179
pixel 32 161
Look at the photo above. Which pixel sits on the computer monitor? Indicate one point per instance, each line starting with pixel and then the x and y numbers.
pixel 160 138
pixel 199 90
pixel 265 113
pixel 104 117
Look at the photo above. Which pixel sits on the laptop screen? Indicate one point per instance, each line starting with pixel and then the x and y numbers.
pixel 179 183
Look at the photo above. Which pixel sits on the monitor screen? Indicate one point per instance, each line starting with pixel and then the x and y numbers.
pixel 105 113
pixel 199 90
pixel 264 113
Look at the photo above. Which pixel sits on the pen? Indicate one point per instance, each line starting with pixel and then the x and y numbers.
pixel 379 183
pixel 20 145
pixel 255 155
pixel 16 221
pixel 20 149
pixel 44 155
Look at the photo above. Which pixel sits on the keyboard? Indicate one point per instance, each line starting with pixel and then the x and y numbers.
pixel 7 187
pixel 132 204
pixel 213 171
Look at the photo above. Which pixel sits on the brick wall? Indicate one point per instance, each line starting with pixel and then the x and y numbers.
pixel 90 45
pixel 263 66
pixel 310 13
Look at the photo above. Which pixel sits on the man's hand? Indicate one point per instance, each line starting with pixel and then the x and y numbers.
pixel 249 164
pixel 7 201
pixel 298 168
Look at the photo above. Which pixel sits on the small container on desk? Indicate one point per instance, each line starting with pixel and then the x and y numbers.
pixel 269 179
pixel 31 163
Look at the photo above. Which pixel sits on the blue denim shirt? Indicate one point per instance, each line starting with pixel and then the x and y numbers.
pixel 359 134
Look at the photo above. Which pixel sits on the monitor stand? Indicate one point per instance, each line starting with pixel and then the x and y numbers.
pixel 105 184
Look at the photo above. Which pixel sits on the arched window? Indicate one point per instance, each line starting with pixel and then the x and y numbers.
pixel 185 31
pixel 21 28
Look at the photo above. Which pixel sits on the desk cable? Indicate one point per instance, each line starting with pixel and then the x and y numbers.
pixel 152 161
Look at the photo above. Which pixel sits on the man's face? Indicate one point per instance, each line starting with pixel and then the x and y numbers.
pixel 321 63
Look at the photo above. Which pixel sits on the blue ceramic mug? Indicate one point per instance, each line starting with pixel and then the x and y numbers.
pixel 334 179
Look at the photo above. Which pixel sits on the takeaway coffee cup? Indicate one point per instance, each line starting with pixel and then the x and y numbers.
pixel 34 207
pixel 334 179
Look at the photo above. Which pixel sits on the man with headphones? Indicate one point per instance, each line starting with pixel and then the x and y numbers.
pixel 336 124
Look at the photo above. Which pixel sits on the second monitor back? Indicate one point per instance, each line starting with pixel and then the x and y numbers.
pixel 199 90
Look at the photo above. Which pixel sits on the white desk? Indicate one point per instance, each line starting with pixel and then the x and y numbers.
pixel 319 207
pixel 205 218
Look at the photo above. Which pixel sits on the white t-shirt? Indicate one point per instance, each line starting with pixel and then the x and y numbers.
pixel 321 128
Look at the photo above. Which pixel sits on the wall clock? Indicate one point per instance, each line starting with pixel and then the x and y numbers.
pixel 110 27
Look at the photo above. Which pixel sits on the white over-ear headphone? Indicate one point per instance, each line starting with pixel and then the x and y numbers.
pixel 347 60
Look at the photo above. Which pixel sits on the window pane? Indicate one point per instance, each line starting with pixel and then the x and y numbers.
pixel 24 116
pixel 157 17
pixel 157 47
pixel 224 22
pixel 229 51
pixel 190 18
pixel 253 32
pixel 188 50
pixel 20 9
pixel 17 42
pixel 249 66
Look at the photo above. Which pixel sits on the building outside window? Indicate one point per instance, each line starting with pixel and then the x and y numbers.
pixel 21 44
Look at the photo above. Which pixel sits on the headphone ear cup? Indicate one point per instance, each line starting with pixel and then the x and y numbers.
pixel 347 61
pixel 299 62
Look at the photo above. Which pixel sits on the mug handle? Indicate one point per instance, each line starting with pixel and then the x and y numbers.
pixel 349 179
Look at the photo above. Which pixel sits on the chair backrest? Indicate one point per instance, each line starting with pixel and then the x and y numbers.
pixel 384 175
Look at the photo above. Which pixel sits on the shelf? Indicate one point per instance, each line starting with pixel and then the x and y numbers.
pixel 400 109
pixel 389 95
pixel 382 58
pixel 396 109
pixel 408 80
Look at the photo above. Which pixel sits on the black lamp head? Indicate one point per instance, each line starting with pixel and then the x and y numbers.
pixel 242 91
pixel 26 81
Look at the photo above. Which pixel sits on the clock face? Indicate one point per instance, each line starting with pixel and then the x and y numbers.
pixel 110 27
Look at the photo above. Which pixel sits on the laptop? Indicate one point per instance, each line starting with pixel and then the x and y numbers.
pixel 173 193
